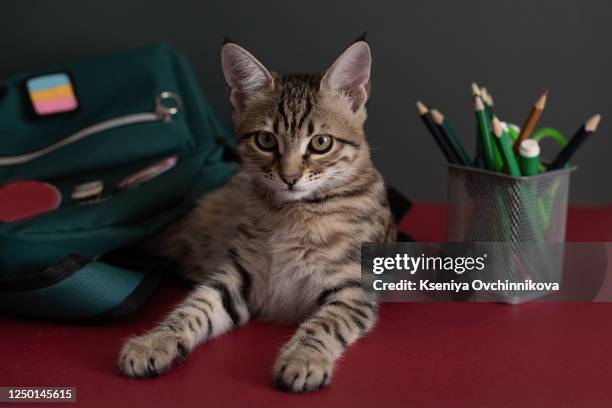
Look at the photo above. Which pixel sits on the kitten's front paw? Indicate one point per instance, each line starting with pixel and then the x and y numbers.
pixel 151 354
pixel 301 368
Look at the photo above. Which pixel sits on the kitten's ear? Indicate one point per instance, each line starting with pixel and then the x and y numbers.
pixel 246 77
pixel 350 74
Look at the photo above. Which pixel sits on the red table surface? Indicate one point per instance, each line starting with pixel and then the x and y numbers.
pixel 420 354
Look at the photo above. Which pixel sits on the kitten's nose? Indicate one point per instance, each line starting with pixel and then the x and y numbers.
pixel 291 179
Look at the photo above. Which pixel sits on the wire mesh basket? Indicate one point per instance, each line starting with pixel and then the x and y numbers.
pixel 526 214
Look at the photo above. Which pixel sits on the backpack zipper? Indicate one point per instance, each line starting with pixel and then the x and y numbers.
pixel 167 105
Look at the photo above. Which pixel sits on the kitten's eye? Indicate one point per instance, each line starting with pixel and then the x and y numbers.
pixel 321 143
pixel 266 141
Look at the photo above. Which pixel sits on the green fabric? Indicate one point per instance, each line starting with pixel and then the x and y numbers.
pixel 93 290
pixel 106 88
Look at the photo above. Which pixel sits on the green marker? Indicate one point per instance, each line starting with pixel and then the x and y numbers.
pixel 505 147
pixel 485 134
pixel 529 157
pixel 455 143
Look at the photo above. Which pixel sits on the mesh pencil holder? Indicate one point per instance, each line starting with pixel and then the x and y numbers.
pixel 525 215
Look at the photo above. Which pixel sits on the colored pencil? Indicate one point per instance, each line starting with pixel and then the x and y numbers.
pixel 498 162
pixel 488 101
pixel 478 158
pixel 475 89
pixel 505 147
pixel 443 144
pixel 485 134
pixel 444 127
pixel 583 133
pixel 486 97
pixel 480 92
pixel 531 121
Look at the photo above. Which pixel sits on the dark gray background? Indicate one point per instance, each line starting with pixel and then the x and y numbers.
pixel 427 49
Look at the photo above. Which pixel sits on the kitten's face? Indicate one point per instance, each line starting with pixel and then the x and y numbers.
pixel 300 136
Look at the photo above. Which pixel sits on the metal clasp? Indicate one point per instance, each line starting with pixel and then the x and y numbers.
pixel 167 104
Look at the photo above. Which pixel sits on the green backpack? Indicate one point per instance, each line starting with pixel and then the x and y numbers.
pixel 117 116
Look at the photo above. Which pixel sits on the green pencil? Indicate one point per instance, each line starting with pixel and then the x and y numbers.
pixel 487 99
pixel 498 161
pixel 445 128
pixel 485 134
pixel 505 147
pixel 475 89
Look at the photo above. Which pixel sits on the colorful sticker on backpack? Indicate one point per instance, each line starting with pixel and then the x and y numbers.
pixel 52 93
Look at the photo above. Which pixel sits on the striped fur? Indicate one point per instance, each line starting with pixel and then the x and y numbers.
pixel 259 248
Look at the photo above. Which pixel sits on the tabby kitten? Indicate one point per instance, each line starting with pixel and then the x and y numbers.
pixel 281 240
